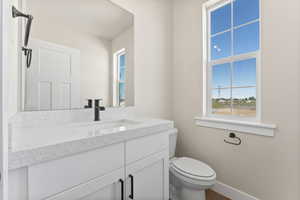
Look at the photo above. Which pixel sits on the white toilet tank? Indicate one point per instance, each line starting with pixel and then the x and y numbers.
pixel 173 142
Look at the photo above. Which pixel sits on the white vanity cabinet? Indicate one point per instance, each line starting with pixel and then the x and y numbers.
pixel 136 169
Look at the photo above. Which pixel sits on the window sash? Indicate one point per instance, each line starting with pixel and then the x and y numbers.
pixel 231 30
pixel 231 60
pixel 209 88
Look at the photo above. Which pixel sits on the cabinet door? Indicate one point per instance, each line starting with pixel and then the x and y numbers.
pixel 108 187
pixel 148 179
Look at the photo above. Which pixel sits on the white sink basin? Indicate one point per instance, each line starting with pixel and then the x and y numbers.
pixel 116 124
pixel 30 137
pixel 109 124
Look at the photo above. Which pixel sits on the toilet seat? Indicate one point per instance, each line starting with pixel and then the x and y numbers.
pixel 192 170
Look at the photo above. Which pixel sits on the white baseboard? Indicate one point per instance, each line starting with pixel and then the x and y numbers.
pixel 231 192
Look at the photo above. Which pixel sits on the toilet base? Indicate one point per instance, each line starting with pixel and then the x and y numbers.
pixel 190 194
pixel 185 193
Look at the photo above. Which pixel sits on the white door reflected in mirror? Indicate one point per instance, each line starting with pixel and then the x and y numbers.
pixel 53 80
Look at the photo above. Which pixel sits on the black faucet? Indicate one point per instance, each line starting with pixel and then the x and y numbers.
pixel 98 108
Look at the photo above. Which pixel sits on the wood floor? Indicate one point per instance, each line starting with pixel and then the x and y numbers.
pixel 211 195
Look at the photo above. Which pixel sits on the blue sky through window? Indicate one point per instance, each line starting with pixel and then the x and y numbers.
pixel 122 75
pixel 122 67
pixel 122 60
pixel 244 73
pixel 221 75
pixel 221 19
pixel 221 46
pixel 245 11
pixel 246 39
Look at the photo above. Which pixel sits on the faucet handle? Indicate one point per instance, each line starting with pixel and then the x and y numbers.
pixel 102 108
pixel 90 103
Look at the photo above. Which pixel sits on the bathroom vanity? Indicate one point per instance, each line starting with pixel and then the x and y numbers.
pixel 111 159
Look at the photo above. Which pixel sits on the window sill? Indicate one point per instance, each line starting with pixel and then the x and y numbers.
pixel 240 126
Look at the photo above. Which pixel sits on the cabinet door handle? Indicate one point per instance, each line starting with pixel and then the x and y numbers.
pixel 122 189
pixel 132 186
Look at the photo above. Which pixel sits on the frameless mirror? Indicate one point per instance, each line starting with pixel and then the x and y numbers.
pixel 81 50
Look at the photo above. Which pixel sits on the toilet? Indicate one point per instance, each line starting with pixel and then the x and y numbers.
pixel 189 178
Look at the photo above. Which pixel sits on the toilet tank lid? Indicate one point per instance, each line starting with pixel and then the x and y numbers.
pixel 193 167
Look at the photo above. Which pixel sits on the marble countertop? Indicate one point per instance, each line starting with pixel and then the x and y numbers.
pixel 33 144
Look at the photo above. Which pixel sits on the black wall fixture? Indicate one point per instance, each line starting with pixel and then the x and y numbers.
pixel 27 51
pixel 233 136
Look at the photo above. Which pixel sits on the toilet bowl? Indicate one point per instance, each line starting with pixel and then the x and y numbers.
pixel 189 178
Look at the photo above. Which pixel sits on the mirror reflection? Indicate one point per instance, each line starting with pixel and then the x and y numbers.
pixel 81 50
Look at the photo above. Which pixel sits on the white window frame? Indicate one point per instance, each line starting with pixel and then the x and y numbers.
pixel 116 80
pixel 229 122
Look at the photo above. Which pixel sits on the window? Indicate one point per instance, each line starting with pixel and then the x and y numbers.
pixel 231 70
pixel 120 74
pixel 232 65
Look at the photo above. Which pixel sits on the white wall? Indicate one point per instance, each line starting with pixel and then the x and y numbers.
pixel 126 40
pixel 153 55
pixel 267 168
